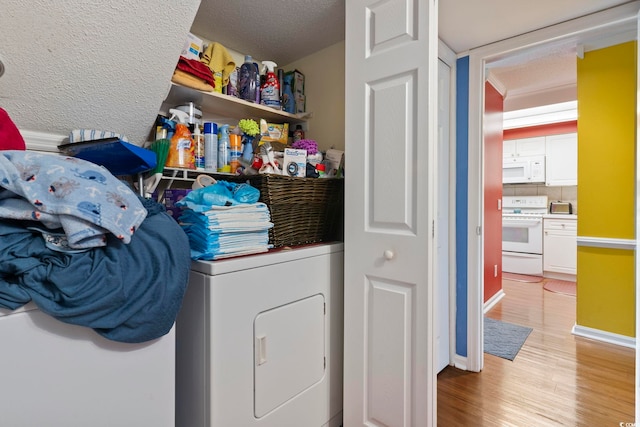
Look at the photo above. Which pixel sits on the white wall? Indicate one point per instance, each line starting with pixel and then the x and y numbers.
pixel 324 89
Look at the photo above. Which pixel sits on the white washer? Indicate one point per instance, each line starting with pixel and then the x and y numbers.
pixel 260 341
pixel 58 375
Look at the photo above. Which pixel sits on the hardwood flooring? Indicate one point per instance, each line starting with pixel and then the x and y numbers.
pixel 557 379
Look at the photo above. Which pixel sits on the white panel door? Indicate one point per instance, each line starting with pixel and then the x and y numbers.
pixel 391 140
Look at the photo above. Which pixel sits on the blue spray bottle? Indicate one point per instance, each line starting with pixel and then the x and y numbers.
pixel 288 101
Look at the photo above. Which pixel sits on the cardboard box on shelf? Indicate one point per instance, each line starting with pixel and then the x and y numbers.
pixel 297 83
pixel 334 163
pixel 295 162
pixel 192 47
pixel 300 103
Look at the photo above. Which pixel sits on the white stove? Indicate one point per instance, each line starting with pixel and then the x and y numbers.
pixel 522 234
pixel 524 205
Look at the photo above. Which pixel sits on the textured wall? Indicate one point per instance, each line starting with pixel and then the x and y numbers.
pixel 80 64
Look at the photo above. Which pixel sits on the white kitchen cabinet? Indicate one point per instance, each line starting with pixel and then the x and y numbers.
pixel 562 159
pixel 524 147
pixel 559 252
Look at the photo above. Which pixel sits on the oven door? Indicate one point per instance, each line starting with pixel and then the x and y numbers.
pixel 522 234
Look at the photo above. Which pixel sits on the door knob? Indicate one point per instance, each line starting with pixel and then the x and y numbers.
pixel 389 255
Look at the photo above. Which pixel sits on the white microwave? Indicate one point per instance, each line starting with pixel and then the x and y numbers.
pixel 523 170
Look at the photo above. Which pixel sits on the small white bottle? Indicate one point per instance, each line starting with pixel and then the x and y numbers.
pixel 210 146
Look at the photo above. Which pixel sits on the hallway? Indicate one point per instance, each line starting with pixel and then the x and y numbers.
pixel 557 379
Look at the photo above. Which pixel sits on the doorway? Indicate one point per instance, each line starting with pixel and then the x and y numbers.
pixel 593 26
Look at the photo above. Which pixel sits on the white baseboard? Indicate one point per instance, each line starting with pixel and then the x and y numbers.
pixel 608 337
pixel 493 301
pixel 42 141
pixel 460 362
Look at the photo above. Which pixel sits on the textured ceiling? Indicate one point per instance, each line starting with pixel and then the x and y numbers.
pixel 76 64
pixel 107 65
pixel 278 30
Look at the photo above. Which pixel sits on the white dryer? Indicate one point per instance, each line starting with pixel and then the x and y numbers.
pixel 259 341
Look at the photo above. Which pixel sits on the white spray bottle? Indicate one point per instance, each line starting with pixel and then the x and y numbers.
pixel 270 89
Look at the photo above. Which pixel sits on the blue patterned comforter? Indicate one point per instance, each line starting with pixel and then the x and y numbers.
pixel 129 288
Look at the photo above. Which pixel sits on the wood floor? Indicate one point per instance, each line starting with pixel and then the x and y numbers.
pixel 557 379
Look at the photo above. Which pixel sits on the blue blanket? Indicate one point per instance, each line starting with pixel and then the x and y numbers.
pixel 126 292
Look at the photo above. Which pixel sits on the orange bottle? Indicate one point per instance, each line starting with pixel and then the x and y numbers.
pixel 182 150
pixel 235 151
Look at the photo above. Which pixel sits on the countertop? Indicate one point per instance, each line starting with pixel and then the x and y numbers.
pixel 274 256
pixel 560 216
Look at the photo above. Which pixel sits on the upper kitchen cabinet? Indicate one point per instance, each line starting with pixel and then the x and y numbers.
pixel 524 147
pixel 562 159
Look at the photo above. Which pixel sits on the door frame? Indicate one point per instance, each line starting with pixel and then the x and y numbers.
pixel 449 57
pixel 597 27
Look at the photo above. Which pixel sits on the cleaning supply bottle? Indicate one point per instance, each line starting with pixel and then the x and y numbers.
pixel 210 146
pixel 247 78
pixel 270 89
pixel 199 153
pixel 298 134
pixel 235 152
pixel 223 149
pixel 288 100
pixel 181 152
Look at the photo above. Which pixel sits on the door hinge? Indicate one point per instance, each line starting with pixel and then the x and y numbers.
pixel 433 228
pixel 479 230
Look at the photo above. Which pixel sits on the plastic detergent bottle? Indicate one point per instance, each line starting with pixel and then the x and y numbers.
pixel 181 151
pixel 288 101
pixel 210 146
pixel 270 89
pixel 223 149
pixel 247 78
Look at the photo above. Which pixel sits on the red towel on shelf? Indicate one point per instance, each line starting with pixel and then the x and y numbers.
pixel 196 68
pixel 10 138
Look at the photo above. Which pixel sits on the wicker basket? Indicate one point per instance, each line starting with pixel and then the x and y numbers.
pixel 303 210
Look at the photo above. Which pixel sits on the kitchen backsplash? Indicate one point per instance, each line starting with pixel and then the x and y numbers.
pixel 565 194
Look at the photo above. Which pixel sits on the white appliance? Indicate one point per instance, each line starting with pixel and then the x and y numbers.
pixel 59 375
pixel 260 341
pixel 522 234
pixel 523 170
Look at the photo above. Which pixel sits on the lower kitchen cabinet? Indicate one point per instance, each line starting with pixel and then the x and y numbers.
pixel 559 252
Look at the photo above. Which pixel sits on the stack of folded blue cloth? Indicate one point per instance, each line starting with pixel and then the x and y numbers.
pixel 225 220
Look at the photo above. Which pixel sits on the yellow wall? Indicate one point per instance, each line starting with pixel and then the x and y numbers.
pixel 606 177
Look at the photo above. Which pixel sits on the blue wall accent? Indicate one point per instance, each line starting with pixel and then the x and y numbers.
pixel 462 191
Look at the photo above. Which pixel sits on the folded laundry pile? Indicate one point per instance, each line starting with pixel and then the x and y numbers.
pixel 224 220
pixel 226 231
pixel 194 74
